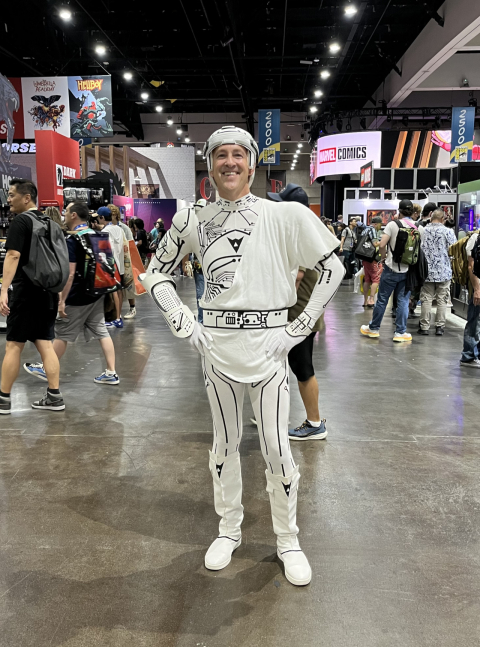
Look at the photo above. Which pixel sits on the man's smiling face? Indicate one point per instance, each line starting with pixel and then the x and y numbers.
pixel 230 169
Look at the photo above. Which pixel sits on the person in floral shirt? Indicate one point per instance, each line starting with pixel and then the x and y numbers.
pixel 436 239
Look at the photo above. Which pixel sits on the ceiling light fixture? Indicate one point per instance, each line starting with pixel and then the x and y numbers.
pixel 179 131
pixel 128 76
pixel 199 152
pixel 324 74
pixel 65 14
pixel 299 144
pixel 317 94
pixel 313 109
pixel 158 108
pixel 144 96
pixel 334 48
pixel 187 139
pixel 100 49
pixel 350 10
pixel 306 62
pixel 169 121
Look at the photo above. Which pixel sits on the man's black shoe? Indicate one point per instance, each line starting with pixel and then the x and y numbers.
pixel 420 331
pixel 439 331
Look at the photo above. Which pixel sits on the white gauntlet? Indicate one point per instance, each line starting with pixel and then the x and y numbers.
pixel 163 291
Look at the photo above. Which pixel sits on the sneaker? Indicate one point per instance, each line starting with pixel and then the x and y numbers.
pixel 109 324
pixel 37 370
pixel 439 330
pixel 118 323
pixel 51 401
pixel 365 330
pixel 5 405
pixel 131 313
pixel 474 363
pixel 107 379
pixel 306 432
pixel 423 331
pixel 406 336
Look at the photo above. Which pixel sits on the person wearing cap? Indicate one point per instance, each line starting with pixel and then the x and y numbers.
pixel 250 250
pixel 393 279
pixel 300 358
pixel 427 211
pixel 373 270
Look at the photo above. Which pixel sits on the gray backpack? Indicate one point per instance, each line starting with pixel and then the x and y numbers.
pixel 48 265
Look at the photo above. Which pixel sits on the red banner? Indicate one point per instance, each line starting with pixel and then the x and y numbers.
pixel 57 158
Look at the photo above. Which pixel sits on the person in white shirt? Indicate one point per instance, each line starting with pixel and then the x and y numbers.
pixel 394 278
pixel 115 234
pixel 250 250
pixel 129 292
pixel 471 336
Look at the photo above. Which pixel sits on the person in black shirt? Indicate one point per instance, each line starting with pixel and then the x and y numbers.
pixel 29 309
pixel 141 240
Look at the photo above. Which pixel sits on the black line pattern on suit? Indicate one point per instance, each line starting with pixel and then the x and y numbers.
pixel 219 375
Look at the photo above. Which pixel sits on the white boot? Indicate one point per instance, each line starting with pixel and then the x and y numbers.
pixel 283 501
pixel 227 494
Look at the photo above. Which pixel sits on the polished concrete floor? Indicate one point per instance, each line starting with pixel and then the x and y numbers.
pixel 106 508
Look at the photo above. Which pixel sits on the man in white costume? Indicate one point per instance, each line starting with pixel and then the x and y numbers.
pixel 250 250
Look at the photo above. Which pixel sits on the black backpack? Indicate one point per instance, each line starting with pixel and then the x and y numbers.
pixel 47 265
pixel 365 249
pixel 476 257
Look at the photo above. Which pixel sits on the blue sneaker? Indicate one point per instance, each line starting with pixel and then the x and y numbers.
pixel 107 379
pixel 37 370
pixel 306 432
pixel 116 323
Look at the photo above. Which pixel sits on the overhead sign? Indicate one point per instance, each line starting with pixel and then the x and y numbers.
pixel 463 125
pixel 366 175
pixel 269 137
pixel 347 152
pixel 58 157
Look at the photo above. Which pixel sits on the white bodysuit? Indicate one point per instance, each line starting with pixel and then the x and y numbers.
pixel 250 252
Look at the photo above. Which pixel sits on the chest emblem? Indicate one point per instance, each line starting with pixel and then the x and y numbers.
pixel 235 243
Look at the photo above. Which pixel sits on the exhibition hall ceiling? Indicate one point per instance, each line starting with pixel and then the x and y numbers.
pixel 216 55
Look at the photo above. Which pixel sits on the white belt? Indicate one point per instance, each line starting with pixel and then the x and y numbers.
pixel 245 319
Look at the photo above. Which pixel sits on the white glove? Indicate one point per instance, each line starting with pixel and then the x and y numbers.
pixel 281 345
pixel 200 338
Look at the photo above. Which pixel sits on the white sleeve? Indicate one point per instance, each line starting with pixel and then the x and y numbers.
pixel 331 271
pixel 311 241
pixel 175 244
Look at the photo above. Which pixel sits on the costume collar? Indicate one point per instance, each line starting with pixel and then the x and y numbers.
pixel 242 203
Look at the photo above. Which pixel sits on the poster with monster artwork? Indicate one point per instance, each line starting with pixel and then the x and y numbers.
pixel 90 100
pixel 45 105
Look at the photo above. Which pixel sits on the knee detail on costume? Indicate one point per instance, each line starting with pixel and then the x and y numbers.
pixel 285 485
pixel 221 465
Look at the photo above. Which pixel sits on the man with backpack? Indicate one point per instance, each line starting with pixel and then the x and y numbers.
pixel 347 246
pixel 372 268
pixel 399 248
pixel 79 310
pixel 30 309
pixel 471 336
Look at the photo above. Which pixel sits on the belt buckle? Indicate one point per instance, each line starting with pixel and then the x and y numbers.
pixel 253 319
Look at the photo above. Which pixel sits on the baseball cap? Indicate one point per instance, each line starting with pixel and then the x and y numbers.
pixel 104 211
pixel 428 208
pixel 405 205
pixel 376 219
pixel 291 193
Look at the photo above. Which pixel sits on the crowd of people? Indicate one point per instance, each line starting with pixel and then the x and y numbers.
pixel 409 259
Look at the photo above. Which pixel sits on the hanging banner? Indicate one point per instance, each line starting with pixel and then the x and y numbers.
pixel 204 188
pixel 276 181
pixel 366 175
pixel 269 137
pixel 11 109
pixel 45 105
pixel 58 157
pixel 463 124
pixel 90 99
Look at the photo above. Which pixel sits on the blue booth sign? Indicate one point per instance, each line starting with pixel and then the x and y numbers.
pixel 269 137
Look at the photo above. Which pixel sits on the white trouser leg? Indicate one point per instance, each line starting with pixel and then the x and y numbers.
pixel 283 502
pixel 226 401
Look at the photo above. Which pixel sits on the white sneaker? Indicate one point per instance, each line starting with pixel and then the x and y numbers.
pixel 297 568
pixel 219 555
pixel 400 337
pixel 131 314
pixel 475 363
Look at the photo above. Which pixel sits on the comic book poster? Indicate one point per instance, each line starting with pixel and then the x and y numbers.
pixel 45 105
pixel 90 99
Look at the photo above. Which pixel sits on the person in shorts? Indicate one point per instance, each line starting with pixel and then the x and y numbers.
pixel 372 270
pixel 79 312
pixel 30 310
pixel 300 358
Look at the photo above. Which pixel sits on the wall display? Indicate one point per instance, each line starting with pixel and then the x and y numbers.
pixel 57 158
pixel 145 190
pixel 366 175
pixel 448 208
pixel 347 152
pixel 463 123
pixel 125 204
pixel 45 105
pixel 15 170
pixel 276 181
pixel 151 210
pixel 204 189
pixel 269 137
pixel 385 214
pixel 90 100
